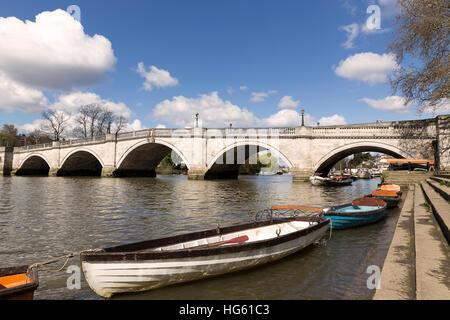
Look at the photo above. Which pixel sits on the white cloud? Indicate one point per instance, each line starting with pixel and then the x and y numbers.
pixel 214 112
pixel 71 102
pixel 243 88
pixel 53 52
pixel 287 103
pixel 136 125
pixel 15 96
pixel 229 90
pixel 352 31
pixel 368 67
pixel 332 121
pixel 283 118
pixel 390 104
pixel 156 77
pixel 261 96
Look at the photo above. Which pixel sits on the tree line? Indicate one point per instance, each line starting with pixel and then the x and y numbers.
pixel 91 120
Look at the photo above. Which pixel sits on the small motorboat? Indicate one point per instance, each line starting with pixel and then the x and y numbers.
pixel 156 263
pixel 338 181
pixel 361 211
pixel 317 180
pixel 392 198
pixel 18 283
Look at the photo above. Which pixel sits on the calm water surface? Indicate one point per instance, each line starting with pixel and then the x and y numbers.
pixel 45 217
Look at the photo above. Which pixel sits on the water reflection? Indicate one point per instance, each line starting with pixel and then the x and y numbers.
pixel 44 217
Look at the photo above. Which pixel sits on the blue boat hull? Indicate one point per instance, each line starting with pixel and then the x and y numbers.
pixel 344 222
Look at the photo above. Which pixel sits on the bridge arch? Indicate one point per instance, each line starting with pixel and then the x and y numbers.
pixel 326 163
pixel 142 158
pixel 81 162
pixel 34 164
pixel 222 169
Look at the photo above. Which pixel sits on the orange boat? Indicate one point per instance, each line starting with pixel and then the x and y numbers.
pixel 390 187
pixel 18 283
pixel 392 197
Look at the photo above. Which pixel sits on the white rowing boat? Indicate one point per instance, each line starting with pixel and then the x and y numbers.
pixel 156 263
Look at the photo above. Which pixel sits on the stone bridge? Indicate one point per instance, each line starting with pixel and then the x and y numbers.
pixel 217 153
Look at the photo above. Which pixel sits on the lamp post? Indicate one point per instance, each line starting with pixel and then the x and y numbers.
pixel 303 117
pixel 196 120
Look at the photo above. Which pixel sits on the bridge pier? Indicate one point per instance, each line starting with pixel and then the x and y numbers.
pixel 53 172
pixel 196 173
pixel 301 174
pixel 108 172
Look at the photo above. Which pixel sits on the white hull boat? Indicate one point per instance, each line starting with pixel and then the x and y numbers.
pixel 156 263
pixel 317 180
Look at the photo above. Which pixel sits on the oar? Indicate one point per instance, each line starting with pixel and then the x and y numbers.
pixel 234 240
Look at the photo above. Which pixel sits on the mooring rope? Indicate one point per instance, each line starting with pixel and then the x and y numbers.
pixel 67 257
pixel 331 228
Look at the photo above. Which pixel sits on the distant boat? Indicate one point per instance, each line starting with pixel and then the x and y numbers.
pixel 317 180
pixel 267 173
pixel 338 181
pixel 18 283
pixel 160 262
pixel 360 212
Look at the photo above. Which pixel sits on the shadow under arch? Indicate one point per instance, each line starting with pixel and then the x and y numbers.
pixel 327 162
pixel 81 163
pixel 228 162
pixel 142 159
pixel 34 165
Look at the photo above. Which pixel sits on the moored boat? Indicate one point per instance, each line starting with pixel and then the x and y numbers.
pixel 156 263
pixel 360 212
pixel 317 180
pixel 18 283
pixel 392 198
pixel 338 181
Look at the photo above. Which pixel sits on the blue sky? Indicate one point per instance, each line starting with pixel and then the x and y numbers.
pixel 209 50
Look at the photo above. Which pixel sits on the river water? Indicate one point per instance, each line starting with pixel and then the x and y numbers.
pixel 46 217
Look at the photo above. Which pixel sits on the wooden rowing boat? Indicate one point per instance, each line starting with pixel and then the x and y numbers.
pixel 18 283
pixel 360 212
pixel 156 263
pixel 391 197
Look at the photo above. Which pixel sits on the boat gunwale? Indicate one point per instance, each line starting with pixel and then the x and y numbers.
pixel 135 251
pixel 31 286
pixel 332 211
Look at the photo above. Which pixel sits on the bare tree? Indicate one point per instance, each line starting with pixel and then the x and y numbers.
pixel 424 35
pixel 82 120
pixel 106 119
pixel 94 112
pixel 56 123
pixel 119 124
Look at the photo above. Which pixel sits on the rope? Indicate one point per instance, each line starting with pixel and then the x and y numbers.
pixel 331 228
pixel 67 257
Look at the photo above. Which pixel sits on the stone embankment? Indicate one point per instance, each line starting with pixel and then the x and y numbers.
pixel 417 266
